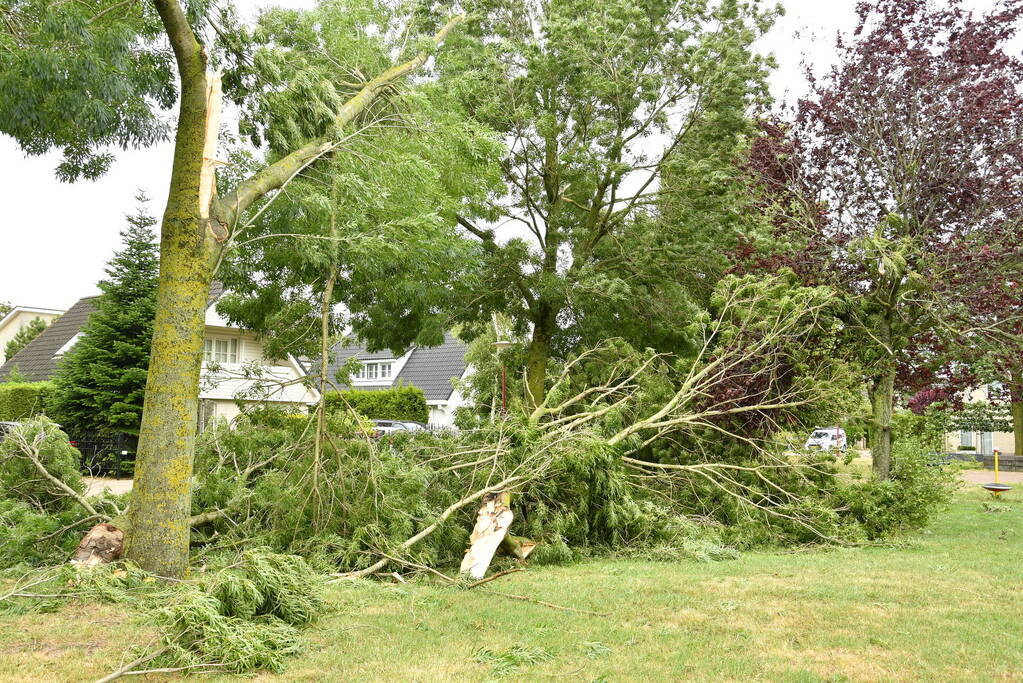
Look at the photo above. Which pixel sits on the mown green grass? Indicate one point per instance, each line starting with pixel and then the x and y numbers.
pixel 945 605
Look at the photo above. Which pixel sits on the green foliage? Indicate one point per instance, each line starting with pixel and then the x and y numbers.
pixel 242 618
pixel 100 382
pixel 23 528
pixel 482 387
pixel 374 225
pixel 400 403
pixel 507 662
pixel 980 416
pixel 363 499
pixel 927 430
pixel 102 60
pixel 15 376
pixel 596 153
pixel 919 487
pixel 23 400
pixel 20 478
pixel 24 336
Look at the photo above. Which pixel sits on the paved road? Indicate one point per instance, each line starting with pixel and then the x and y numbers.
pixel 985 476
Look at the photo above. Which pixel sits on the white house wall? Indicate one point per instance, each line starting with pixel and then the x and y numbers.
pixel 16 319
pixel 229 383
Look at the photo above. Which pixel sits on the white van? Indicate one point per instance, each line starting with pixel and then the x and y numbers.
pixel 826 439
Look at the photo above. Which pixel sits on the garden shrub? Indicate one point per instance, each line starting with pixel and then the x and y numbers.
pixel 919 486
pixel 21 480
pixel 21 400
pixel 400 403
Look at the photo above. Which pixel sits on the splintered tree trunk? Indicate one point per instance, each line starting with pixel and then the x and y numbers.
pixel 1016 398
pixel 158 531
pixel 882 395
pixel 492 524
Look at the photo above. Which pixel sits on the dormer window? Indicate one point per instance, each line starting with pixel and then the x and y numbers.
pixel 220 350
pixel 375 371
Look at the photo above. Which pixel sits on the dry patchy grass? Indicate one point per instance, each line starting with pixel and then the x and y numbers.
pixel 943 606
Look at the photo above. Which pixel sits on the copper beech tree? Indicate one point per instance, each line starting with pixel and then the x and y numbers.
pixel 899 182
pixel 114 48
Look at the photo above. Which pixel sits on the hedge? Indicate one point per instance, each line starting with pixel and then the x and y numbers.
pixel 400 403
pixel 19 400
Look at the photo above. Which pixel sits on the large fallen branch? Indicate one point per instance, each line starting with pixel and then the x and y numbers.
pixel 452 509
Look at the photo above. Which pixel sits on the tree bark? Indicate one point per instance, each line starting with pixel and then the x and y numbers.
pixel 1016 406
pixel 196 227
pixel 538 354
pixel 158 530
pixel 882 396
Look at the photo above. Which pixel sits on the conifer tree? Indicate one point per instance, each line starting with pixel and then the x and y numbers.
pixel 101 381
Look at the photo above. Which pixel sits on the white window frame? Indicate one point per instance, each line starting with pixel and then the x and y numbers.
pixel 229 355
pixel 375 371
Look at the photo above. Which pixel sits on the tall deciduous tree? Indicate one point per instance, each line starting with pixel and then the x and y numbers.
pixel 100 383
pixel 900 173
pixel 198 224
pixel 598 101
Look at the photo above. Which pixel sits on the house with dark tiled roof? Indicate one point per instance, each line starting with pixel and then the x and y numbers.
pixel 434 370
pixel 19 317
pixel 234 369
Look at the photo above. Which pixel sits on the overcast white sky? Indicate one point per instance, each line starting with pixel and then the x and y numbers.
pixel 55 238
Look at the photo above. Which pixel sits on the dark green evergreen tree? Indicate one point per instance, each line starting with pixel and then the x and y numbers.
pixel 101 380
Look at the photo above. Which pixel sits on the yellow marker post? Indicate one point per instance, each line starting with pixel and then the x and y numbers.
pixel 996 488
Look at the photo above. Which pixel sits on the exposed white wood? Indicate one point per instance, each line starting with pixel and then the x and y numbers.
pixel 492 524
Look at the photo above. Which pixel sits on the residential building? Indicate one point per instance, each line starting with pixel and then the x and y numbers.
pixel 983 443
pixel 434 370
pixel 17 318
pixel 234 369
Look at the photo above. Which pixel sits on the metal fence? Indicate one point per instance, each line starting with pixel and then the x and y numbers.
pixel 105 455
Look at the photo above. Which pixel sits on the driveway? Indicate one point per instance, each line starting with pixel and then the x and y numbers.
pixel 987 476
pixel 97 484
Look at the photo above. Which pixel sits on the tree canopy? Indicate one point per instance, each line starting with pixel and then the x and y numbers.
pixel 898 184
pixel 600 103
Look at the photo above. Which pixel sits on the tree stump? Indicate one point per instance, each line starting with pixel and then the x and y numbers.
pixel 102 545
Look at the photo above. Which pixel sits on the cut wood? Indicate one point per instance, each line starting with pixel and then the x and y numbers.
pixel 492 524
pixel 102 545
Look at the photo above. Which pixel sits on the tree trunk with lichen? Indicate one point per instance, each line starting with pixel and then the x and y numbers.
pixel 882 395
pixel 158 530
pixel 195 230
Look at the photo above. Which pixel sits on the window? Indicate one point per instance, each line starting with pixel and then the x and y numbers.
pixel 375 371
pixel 221 351
pixel 965 438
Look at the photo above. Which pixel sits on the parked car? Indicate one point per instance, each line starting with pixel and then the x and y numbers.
pixel 6 427
pixel 386 427
pixel 826 439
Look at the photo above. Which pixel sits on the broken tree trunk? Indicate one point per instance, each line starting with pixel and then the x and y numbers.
pixel 492 524
pixel 102 545
pixel 518 547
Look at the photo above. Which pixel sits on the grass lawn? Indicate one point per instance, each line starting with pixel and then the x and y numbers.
pixel 945 606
